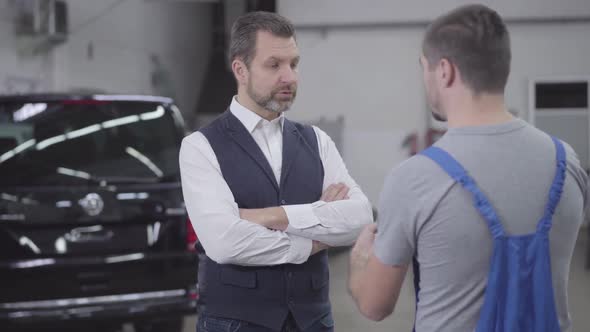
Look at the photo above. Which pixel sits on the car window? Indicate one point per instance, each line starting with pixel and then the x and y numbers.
pixel 61 143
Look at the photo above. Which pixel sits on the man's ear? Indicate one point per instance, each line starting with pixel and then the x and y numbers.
pixel 447 73
pixel 240 71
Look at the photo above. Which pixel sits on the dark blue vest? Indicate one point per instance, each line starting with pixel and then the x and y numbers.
pixel 265 295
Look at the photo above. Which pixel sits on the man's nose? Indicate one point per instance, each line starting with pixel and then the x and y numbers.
pixel 288 75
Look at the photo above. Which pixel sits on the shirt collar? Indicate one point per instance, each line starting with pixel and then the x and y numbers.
pixel 249 118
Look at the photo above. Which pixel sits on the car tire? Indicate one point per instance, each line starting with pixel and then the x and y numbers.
pixel 160 325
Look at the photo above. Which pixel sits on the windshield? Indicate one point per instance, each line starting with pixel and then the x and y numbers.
pixel 77 142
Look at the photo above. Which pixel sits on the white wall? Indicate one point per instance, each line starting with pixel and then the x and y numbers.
pixel 546 50
pixel 20 74
pixel 179 33
pixel 121 42
pixel 118 57
pixel 313 12
pixel 373 78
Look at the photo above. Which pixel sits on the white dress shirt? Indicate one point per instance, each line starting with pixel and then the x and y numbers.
pixel 215 215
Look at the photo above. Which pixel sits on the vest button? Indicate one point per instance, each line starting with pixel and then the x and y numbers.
pixel 290 274
pixel 283 201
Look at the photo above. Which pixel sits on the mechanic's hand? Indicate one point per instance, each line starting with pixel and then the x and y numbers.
pixel 335 192
pixel 317 246
pixel 364 243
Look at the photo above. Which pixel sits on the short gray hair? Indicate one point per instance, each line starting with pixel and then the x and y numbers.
pixel 244 30
pixel 475 39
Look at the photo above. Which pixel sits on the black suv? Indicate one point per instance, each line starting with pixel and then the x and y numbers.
pixel 93 228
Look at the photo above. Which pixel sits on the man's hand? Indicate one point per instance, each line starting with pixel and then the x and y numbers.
pixel 363 247
pixel 366 238
pixel 359 258
pixel 335 192
pixel 374 286
pixel 318 247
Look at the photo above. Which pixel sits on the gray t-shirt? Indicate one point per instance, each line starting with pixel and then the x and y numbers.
pixel 423 212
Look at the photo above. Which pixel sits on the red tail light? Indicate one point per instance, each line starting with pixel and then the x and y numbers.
pixel 191 236
pixel 193 292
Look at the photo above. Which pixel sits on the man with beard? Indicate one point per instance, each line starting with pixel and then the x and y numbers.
pixel 267 195
pixel 489 216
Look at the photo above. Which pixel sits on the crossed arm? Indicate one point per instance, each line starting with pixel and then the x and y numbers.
pixel 276 217
pixel 271 236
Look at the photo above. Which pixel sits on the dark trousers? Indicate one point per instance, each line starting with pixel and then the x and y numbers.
pixel 208 323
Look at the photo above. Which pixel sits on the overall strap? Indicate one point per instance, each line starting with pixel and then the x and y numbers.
pixel 545 223
pixel 459 174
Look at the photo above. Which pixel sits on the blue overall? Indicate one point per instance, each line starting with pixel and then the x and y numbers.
pixel 519 292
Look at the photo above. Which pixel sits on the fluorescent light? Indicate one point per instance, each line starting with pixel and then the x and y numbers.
pixel 20 148
pixel 28 111
pixel 83 131
pixel 131 196
pixel 63 204
pixel 33 263
pixel 8 197
pixel 159 112
pixel 126 196
pixel 20 314
pixel 72 172
pixel 50 141
pixel 175 211
pixel 28 201
pixel 120 121
pixel 157 99
pixel 7 156
pixel 79 301
pixel 12 217
pixel 26 242
pixel 61 246
pixel 25 146
pixel 145 160
pixel 124 258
